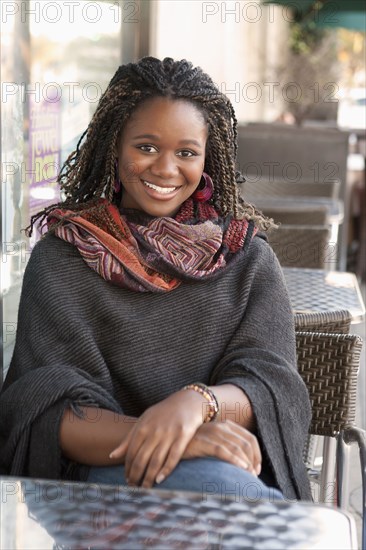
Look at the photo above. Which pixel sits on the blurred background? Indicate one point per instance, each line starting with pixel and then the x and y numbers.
pixel 294 71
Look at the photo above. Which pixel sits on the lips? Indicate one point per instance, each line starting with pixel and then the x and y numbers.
pixel 159 189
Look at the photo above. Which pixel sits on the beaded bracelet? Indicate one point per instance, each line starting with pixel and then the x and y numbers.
pixel 213 405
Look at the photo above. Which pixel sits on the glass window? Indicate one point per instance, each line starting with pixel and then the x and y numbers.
pixel 56 58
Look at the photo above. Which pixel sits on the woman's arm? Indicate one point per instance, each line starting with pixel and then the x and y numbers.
pixel 57 361
pixel 234 405
pixel 91 439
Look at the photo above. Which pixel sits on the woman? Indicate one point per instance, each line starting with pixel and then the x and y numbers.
pixel 155 341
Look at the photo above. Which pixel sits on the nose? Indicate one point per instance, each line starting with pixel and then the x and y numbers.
pixel 165 166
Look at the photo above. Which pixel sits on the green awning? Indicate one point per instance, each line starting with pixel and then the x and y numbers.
pixel 350 14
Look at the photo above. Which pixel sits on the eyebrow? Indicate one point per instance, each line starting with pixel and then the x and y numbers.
pixel 182 141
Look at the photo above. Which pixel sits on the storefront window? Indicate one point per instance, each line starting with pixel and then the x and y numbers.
pixel 56 58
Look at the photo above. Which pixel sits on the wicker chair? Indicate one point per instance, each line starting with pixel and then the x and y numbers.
pixel 301 245
pixel 305 215
pixel 329 364
pixel 284 188
pixel 338 321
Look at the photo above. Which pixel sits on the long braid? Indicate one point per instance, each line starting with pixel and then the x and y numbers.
pixel 88 173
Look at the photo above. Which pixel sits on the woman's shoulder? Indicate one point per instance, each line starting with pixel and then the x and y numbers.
pixel 50 250
pixel 51 257
pixel 260 261
pixel 52 245
pixel 260 250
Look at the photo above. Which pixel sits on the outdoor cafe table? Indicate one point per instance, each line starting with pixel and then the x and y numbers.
pixel 46 514
pixel 318 290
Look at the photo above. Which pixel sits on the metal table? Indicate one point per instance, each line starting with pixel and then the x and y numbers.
pixel 49 514
pixel 313 290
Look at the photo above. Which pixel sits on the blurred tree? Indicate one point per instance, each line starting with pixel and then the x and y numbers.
pixel 352 55
pixel 309 73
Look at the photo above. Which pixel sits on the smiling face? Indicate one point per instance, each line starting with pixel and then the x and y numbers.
pixel 161 155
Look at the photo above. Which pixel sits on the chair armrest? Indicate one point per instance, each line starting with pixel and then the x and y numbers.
pixel 337 321
pixel 329 364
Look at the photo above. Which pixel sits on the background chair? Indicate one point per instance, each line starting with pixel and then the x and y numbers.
pixel 296 155
pixel 307 215
pixel 281 188
pixel 301 245
pixel 329 365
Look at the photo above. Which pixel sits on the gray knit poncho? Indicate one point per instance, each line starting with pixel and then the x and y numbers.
pixel 83 341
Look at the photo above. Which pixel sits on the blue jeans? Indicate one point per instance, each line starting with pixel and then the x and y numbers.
pixel 208 476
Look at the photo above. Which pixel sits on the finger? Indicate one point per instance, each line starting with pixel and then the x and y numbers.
pixel 234 455
pixel 257 455
pixel 135 444
pixel 140 449
pixel 252 448
pixel 246 449
pixel 119 451
pixel 250 443
pixel 220 447
pixel 175 455
pixel 157 462
pixel 141 463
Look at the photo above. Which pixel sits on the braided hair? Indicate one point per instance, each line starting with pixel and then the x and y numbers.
pixel 89 171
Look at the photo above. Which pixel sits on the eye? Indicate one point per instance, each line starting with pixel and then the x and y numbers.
pixel 186 153
pixel 147 148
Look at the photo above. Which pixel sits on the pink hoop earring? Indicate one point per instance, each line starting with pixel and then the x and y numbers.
pixel 204 190
pixel 117 181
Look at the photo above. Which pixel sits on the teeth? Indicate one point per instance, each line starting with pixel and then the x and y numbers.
pixel 162 190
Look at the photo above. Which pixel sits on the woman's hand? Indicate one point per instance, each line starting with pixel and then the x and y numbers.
pixel 160 436
pixel 227 441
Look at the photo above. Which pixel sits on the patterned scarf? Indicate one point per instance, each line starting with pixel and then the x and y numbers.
pixel 134 250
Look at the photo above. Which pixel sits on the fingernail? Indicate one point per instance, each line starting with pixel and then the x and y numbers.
pixel 111 455
pixel 159 478
pixel 258 469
